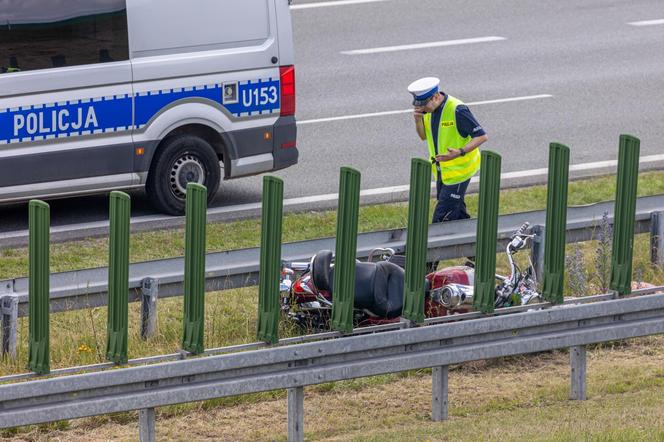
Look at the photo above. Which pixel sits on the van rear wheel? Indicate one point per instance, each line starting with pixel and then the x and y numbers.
pixel 181 160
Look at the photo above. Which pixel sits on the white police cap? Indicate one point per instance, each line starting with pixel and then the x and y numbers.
pixel 423 89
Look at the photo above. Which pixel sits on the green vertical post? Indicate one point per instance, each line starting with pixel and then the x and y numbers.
pixel 270 264
pixel 38 295
pixel 118 278
pixel 487 233
pixel 556 224
pixel 194 269
pixel 416 240
pixel 624 214
pixel 346 245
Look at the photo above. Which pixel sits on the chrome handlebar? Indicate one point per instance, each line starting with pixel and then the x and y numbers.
pixel 518 241
pixel 521 230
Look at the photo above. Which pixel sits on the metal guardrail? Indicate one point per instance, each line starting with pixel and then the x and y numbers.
pixel 314 337
pixel 294 367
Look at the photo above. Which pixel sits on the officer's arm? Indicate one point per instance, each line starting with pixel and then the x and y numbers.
pixel 419 124
pixel 456 153
pixel 475 143
pixel 468 125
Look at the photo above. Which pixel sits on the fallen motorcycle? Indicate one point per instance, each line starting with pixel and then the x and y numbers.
pixel 307 291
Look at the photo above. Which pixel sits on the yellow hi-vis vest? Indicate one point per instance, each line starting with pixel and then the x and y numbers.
pixel 461 168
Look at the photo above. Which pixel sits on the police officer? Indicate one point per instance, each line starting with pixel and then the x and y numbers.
pixel 453 136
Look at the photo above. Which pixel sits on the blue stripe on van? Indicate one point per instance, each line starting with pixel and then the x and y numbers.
pixel 147 105
pixel 257 97
pixel 65 119
pixel 114 113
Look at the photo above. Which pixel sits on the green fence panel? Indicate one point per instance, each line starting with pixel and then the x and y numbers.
pixel 270 264
pixel 556 224
pixel 346 245
pixel 624 214
pixel 416 240
pixel 38 286
pixel 194 269
pixel 118 278
pixel 487 233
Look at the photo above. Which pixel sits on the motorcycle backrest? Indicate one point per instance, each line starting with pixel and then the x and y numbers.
pixel 320 269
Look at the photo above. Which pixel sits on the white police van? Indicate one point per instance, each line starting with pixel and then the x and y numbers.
pixel 117 94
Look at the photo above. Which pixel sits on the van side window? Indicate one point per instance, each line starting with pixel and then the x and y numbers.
pixel 42 34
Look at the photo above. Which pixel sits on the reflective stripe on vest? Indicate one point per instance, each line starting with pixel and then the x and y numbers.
pixel 461 168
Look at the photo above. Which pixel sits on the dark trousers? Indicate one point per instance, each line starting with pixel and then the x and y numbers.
pixel 451 204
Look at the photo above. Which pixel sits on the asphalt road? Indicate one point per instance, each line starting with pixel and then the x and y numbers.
pixel 596 76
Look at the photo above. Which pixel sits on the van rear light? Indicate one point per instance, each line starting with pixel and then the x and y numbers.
pixel 287 76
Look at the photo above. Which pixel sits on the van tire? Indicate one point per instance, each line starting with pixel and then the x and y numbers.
pixel 181 159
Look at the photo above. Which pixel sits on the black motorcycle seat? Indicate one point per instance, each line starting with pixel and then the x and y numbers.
pixel 365 277
pixel 387 290
pixel 378 286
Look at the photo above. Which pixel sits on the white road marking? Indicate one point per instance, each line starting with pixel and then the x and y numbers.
pixel 433 44
pixel 394 112
pixel 333 3
pixel 647 22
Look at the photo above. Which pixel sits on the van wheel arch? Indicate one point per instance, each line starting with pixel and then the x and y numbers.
pixel 209 134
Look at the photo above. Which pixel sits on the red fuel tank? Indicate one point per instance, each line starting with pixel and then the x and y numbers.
pixel 458 274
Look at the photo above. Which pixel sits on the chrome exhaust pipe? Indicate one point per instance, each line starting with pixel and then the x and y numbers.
pixel 456 296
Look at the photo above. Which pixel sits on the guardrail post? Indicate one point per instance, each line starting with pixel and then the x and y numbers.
pixel 117 333
pixel 537 251
pixel 577 356
pixel 194 269
pixel 553 275
pixel 39 274
pixel 416 241
pixel 624 214
pixel 487 233
pixel 9 312
pixel 346 248
pixel 657 238
pixel 440 393
pixel 270 260
pixel 146 425
pixel 296 414
pixel 149 296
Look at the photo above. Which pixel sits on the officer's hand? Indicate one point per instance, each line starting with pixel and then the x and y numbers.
pixel 441 158
pixel 418 112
